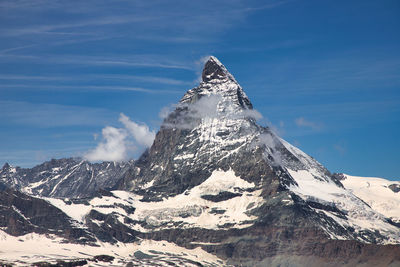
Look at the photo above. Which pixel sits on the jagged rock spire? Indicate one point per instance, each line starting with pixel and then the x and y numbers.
pixel 6 166
pixel 214 69
pixel 217 80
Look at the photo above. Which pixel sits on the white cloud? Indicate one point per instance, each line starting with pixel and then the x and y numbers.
pixel 140 132
pixel 117 144
pixel 302 122
pixel 165 111
pixel 112 148
pixel 199 67
pixel 208 106
pixel 271 141
pixel 252 113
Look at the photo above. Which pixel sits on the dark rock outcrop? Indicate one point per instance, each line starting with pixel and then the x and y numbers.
pixel 395 188
pixel 22 214
pixel 67 177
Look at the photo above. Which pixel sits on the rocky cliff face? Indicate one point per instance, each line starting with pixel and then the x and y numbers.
pixel 66 177
pixel 21 214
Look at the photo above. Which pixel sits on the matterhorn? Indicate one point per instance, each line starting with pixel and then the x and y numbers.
pixel 214 189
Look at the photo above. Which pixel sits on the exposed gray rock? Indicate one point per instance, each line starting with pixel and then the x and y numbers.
pixel 67 177
pixel 395 188
pixel 21 214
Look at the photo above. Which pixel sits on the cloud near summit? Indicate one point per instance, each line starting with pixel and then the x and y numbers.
pixel 118 144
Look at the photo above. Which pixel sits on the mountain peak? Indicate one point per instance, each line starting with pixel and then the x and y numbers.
pixel 6 166
pixel 214 69
pixel 218 81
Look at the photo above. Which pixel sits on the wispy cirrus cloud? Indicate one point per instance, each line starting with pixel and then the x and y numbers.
pixel 340 148
pixel 88 77
pixel 52 28
pixel 5 53
pixel 139 61
pixel 302 122
pixel 154 20
pixel 333 117
pixel 269 5
pixel 11 49
pixel 89 88
pixel 352 71
pixel 127 63
pixel 131 22
pixel 52 115
pixel 23 4
pixel 345 109
pixel 27 158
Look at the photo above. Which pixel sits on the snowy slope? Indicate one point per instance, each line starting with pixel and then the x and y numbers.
pixel 377 193
pixel 338 203
pixel 206 207
pixel 32 248
pixel 221 200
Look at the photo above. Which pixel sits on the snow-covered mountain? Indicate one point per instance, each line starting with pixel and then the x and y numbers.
pixel 212 134
pixel 380 194
pixel 68 177
pixel 217 185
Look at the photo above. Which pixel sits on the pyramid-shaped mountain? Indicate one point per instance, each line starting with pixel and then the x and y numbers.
pixel 249 190
pixel 212 128
pixel 216 183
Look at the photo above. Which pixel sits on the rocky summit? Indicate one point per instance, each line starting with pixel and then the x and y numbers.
pixel 214 189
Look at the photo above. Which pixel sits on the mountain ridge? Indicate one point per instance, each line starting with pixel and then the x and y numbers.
pixel 66 177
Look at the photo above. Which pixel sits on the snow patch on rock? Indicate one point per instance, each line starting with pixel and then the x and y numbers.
pixel 188 209
pixel 192 210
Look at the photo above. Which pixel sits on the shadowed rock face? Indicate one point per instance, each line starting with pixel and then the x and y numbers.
pixel 213 69
pixel 67 177
pixel 21 214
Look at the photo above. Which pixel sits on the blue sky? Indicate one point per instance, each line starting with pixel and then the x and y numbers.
pixel 325 74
